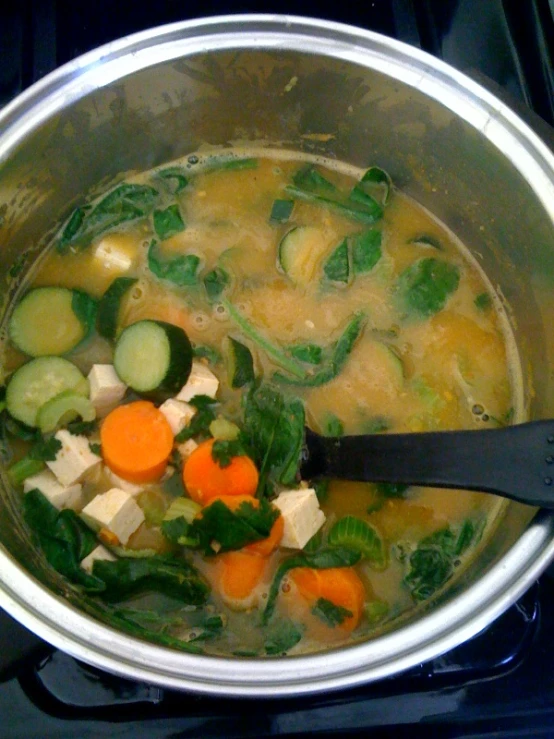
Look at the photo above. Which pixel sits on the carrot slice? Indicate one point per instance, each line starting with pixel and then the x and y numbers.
pixel 136 441
pixel 263 547
pixel 205 479
pixel 340 585
pixel 239 574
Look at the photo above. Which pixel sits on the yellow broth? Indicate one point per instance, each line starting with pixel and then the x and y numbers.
pixel 456 368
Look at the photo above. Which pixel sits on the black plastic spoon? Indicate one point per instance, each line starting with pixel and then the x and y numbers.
pixel 516 462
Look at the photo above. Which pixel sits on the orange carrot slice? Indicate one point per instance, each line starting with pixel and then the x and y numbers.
pixel 205 479
pixel 239 574
pixel 136 441
pixel 339 585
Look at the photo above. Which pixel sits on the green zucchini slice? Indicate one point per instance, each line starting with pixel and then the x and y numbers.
pixel 153 357
pixel 240 365
pixel 37 382
pixel 51 321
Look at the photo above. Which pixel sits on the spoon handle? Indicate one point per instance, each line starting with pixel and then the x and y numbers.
pixel 516 462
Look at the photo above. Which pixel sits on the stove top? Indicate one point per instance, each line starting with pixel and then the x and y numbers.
pixel 499 684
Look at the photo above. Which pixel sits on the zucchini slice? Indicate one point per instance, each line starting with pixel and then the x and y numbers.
pixel 153 357
pixel 300 252
pixel 63 408
pixel 110 304
pixel 37 382
pixel 240 365
pixel 51 321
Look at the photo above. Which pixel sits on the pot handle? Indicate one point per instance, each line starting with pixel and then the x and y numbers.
pixel 19 647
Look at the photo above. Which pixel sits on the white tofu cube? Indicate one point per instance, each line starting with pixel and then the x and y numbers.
pixel 202 381
pixel 186 448
pixel 100 553
pixel 302 516
pixel 115 253
pixel 177 413
pixel 74 460
pixel 116 511
pixel 118 482
pixel 106 389
pixel 57 494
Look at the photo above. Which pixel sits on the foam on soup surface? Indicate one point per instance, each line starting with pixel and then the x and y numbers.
pixel 312 293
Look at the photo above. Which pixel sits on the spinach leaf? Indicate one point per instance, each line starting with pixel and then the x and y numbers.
pixel 432 564
pixel 366 250
pixel 233 529
pixel 178 531
pixel 281 637
pixel 281 211
pixel 223 451
pixel 364 212
pixel 127 202
pixel 425 285
pixel 168 222
pixel 175 578
pixel 321 560
pixel 215 282
pixel 181 270
pixel 331 614
pixel 310 179
pixel 376 425
pixel 110 304
pixel 85 308
pixel 483 301
pixel 79 428
pixel 175 176
pixel 274 428
pixel 374 179
pixel 333 426
pixel 210 628
pixel 309 353
pixel 337 266
pixel 63 538
pixel 200 422
pixel 334 364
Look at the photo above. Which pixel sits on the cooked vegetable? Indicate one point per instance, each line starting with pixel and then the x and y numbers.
pixel 299 254
pixel 337 594
pixel 333 426
pixel 283 636
pixel 309 353
pixel 110 305
pixel 175 176
pixel 366 250
pixel 62 409
pixel 376 178
pixel 322 560
pixel 356 534
pixel 337 266
pixel 43 450
pixel 239 574
pixel 168 222
pixel 51 321
pixel 207 352
pixel 331 614
pixel 136 441
pixel 281 211
pixel 153 357
pixel 63 538
pixel 276 354
pixel 230 163
pixel 181 270
pixel 483 301
pixel 205 479
pixel 215 282
pixel 200 423
pixel 426 240
pixel 425 285
pixel 334 364
pixel 37 382
pixel 274 427
pixel 127 202
pixel 176 578
pixel 240 365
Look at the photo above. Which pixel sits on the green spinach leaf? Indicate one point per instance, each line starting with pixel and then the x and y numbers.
pixel 181 270
pixel 366 250
pixel 425 285
pixel 215 283
pixel 337 266
pixel 281 211
pixel 309 353
pixel 168 222
pixel 284 635
pixel 175 176
pixel 331 614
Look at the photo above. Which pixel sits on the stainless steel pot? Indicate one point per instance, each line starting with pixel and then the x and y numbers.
pixel 323 88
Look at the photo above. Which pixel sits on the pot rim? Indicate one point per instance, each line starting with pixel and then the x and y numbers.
pixel 60 623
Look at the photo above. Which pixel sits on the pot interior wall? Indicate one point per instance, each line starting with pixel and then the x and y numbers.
pixel 322 105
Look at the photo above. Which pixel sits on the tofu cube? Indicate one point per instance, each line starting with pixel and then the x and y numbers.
pixel 177 413
pixel 302 516
pixel 106 389
pixel 118 482
pixel 116 511
pixel 74 460
pixel 57 494
pixel 186 448
pixel 100 553
pixel 116 252
pixel 202 381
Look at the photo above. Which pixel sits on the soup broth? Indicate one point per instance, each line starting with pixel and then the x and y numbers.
pixel 311 292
